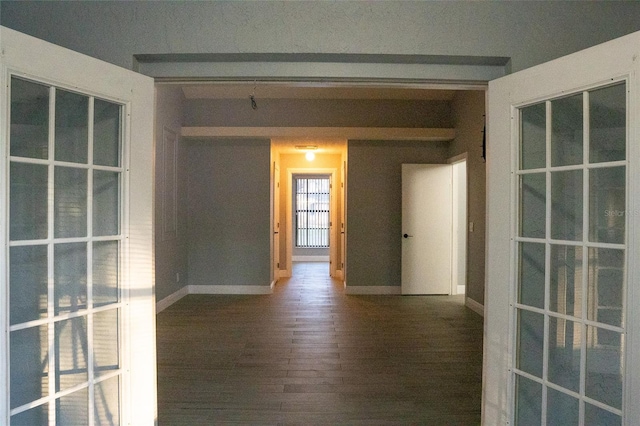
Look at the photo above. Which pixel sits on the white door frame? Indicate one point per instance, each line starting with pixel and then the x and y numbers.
pixel 42 61
pixel 333 236
pixel 593 67
pixel 275 222
pixel 459 251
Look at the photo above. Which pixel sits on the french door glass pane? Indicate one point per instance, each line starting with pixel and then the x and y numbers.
pixel 603 379
pixel 71 353
pixel 608 119
pixel 566 205
pixel 566 280
pixel 533 204
pixel 530 342
pixel 106 191
pixel 29 119
pixel 105 332
pixel 606 286
pixel 28 201
pixel 562 409
pixel 70 277
pixel 29 365
pixel 105 272
pixel 596 416
pixel 533 137
pixel 107 408
pixel 72 127
pixel 531 282
pixel 564 353
pixel 528 402
pixel 106 133
pixel 566 131
pixel 73 409
pixel 70 202
pixel 607 201
pixel 38 416
pixel 28 283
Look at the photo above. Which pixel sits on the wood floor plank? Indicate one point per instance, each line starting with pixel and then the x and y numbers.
pixel 309 354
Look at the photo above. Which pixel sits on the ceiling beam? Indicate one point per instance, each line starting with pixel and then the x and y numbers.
pixel 362 133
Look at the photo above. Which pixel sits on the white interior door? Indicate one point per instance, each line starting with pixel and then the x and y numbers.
pixel 426 228
pixel 76 259
pixel 562 343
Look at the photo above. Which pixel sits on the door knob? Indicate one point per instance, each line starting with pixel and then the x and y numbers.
pixel 407 236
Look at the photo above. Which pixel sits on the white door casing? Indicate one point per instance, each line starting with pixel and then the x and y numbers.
pixel 34 60
pixel 343 225
pixel 459 225
pixel 426 228
pixel 276 222
pixel 582 72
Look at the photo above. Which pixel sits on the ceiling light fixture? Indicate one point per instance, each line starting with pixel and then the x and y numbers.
pixel 310 156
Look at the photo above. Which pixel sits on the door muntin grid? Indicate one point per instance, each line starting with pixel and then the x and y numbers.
pixel 570 249
pixel 65 247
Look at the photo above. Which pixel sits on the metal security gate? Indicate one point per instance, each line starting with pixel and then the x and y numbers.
pixel 312 198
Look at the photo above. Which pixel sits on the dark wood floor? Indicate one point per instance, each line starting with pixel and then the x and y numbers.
pixel 309 354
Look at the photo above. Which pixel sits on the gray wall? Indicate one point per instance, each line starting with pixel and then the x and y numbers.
pixel 229 212
pixel 318 113
pixel 468 119
pixel 374 206
pixel 527 32
pixel 171 250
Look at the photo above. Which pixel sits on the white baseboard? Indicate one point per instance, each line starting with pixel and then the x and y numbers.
pixel 171 299
pixel 372 289
pixel 230 289
pixel 474 306
pixel 310 258
pixel 461 289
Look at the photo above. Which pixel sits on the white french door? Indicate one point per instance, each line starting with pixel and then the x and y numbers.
pixel 562 342
pixel 76 257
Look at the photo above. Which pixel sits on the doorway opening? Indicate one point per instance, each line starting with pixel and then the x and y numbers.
pixel 434 223
pixel 308 204
pixel 306 241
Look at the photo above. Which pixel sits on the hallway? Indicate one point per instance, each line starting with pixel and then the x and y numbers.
pixel 309 354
